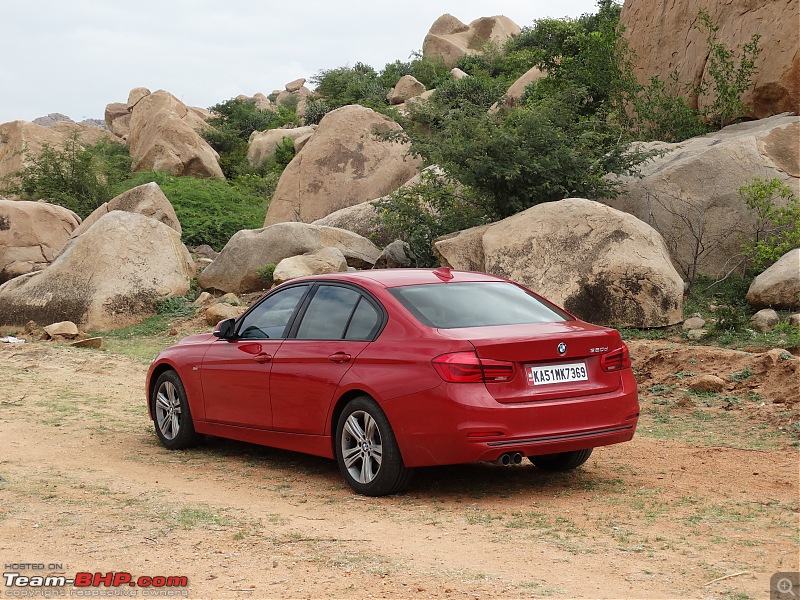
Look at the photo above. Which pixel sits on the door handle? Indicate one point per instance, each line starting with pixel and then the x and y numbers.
pixel 339 357
pixel 262 358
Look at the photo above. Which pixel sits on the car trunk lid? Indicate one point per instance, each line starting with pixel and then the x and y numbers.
pixel 551 360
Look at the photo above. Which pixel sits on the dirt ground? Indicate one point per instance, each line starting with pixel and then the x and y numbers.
pixel 703 503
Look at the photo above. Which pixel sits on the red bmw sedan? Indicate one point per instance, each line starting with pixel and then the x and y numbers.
pixel 388 370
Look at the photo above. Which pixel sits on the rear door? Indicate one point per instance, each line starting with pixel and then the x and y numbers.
pixel 337 324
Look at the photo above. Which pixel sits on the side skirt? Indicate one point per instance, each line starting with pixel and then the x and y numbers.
pixel 318 445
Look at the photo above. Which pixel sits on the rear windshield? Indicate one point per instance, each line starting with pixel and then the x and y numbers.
pixel 475 304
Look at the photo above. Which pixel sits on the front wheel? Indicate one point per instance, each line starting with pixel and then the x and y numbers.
pixel 367 450
pixel 563 461
pixel 171 414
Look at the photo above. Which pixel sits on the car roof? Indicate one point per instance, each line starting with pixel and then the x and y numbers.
pixel 399 277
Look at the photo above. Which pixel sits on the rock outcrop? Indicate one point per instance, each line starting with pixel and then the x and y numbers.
pixel 17 137
pixel 236 267
pixel 692 191
pixel 110 277
pixel 325 260
pixel 407 87
pixel 779 285
pixel 164 136
pixel 601 264
pixel 451 39
pixel 31 235
pixel 118 119
pixel 262 144
pixel 146 199
pixel 341 165
pixel 665 38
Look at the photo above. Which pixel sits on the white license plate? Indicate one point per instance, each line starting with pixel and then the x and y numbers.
pixel 557 374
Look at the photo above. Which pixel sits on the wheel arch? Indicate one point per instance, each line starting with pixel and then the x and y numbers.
pixel 158 370
pixel 337 411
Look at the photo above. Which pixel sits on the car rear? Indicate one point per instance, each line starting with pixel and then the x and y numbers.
pixel 526 377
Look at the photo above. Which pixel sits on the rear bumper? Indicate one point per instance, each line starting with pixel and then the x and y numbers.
pixel 462 423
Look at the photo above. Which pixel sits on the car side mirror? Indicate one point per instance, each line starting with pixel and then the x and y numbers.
pixel 224 329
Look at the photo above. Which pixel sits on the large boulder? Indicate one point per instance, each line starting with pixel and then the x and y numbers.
pixel 31 235
pixel 451 39
pixel 690 194
pixel 164 136
pixel 19 138
pixel 262 144
pixel 344 163
pixel 601 264
pixel 146 199
pixel 110 277
pixel 664 36
pixel 236 267
pixel 779 285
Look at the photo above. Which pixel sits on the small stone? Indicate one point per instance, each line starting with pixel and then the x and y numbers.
pixel 93 342
pixel 696 334
pixel 64 329
pixel 794 320
pixel 707 383
pixel 764 320
pixel 202 299
pixel 694 322
pixel 221 311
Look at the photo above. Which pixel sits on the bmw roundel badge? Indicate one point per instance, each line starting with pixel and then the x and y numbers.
pixel 562 348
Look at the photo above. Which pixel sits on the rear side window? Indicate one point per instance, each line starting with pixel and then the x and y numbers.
pixel 475 304
pixel 337 312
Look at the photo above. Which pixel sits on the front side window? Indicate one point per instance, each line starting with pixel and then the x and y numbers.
pixel 475 304
pixel 269 319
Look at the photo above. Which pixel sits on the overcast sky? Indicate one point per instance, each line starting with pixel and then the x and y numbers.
pixel 76 56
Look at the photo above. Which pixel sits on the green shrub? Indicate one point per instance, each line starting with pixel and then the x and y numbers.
pixel 229 131
pixel 726 79
pixel 210 211
pixel 266 273
pixel 420 213
pixel 76 176
pixel 315 109
pixel 350 85
pixel 777 228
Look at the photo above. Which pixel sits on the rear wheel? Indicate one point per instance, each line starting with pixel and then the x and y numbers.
pixel 171 414
pixel 563 461
pixel 367 450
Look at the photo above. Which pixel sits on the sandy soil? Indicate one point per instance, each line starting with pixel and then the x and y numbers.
pixel 708 490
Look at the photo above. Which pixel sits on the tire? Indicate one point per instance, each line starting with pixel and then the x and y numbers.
pixel 563 461
pixel 171 414
pixel 367 450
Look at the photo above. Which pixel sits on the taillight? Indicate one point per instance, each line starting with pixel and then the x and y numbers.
pixel 616 360
pixel 466 367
